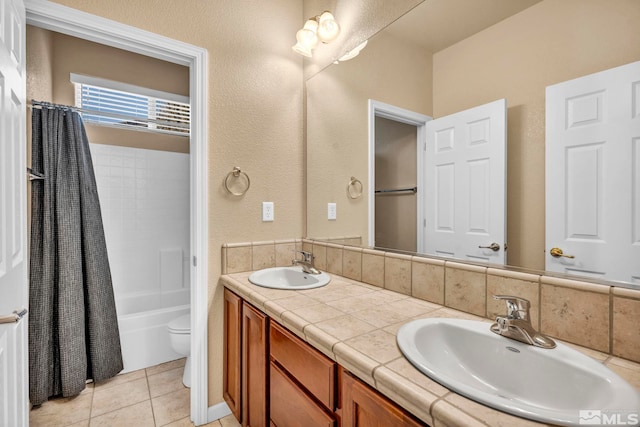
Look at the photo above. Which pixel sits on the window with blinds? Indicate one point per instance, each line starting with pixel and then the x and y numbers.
pixel 109 103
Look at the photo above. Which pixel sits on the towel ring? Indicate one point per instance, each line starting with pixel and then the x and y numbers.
pixel 354 188
pixel 236 173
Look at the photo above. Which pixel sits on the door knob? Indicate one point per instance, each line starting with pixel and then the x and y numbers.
pixel 557 253
pixel 494 247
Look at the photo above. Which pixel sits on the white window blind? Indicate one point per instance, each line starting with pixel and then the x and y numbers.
pixel 110 103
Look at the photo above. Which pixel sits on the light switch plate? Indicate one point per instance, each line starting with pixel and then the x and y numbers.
pixel 332 211
pixel 267 211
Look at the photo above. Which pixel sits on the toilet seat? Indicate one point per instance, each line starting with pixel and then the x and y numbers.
pixel 180 325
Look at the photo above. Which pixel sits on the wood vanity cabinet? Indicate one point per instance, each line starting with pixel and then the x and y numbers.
pixel 255 383
pixel 245 361
pixel 232 361
pixel 303 385
pixel 362 406
pixel 274 378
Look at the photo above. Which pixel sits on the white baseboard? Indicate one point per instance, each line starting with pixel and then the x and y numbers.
pixel 217 411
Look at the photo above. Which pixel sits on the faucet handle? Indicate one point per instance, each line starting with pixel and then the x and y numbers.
pixel 307 256
pixel 517 308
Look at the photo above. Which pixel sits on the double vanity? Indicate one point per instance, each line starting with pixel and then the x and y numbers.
pixel 345 352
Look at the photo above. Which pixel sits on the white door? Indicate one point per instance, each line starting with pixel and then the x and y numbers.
pixel 465 184
pixel 14 403
pixel 593 175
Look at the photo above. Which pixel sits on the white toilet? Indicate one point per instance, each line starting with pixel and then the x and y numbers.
pixel 180 336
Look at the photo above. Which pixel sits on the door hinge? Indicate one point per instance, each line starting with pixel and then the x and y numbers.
pixel 195 261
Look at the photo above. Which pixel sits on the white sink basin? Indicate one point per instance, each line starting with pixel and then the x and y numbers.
pixel 292 278
pixel 548 385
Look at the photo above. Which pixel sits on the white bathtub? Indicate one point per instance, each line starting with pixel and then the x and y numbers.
pixel 142 320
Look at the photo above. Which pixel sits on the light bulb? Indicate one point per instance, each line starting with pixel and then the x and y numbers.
pixel 310 34
pixel 328 27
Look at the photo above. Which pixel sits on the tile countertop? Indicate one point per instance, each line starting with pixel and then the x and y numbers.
pixel 355 324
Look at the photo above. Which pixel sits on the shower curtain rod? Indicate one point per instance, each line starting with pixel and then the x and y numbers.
pixel 157 122
pixel 45 104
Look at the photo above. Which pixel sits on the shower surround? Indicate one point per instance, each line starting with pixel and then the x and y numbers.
pixel 144 196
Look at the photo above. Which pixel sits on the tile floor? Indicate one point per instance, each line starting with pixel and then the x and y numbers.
pixel 149 397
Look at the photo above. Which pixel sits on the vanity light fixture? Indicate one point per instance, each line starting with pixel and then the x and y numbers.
pixel 322 28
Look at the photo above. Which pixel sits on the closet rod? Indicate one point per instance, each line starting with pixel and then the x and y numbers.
pixel 399 190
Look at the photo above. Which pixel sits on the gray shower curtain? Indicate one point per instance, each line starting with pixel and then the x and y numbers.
pixel 73 329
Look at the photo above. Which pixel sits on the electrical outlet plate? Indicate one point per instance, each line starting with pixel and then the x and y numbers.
pixel 267 211
pixel 332 211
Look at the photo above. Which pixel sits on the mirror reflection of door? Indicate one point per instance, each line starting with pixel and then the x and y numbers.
pixel 440 185
pixel 593 175
pixel 395 179
pixel 465 184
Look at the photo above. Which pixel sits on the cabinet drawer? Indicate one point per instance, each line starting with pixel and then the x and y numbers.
pixel 291 407
pixel 312 369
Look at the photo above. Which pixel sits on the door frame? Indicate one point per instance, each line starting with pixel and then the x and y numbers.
pixel 66 20
pixel 391 112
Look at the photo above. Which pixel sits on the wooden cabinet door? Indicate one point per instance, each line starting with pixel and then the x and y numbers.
pixel 254 367
pixel 232 361
pixel 312 369
pixel 364 407
pixel 291 406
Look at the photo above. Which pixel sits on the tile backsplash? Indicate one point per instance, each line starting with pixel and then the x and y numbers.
pixel 596 316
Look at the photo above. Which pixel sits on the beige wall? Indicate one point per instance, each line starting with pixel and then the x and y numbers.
pixel 61 55
pixel 255 119
pixel 39 84
pixel 337 129
pixel 553 41
pixel 39 73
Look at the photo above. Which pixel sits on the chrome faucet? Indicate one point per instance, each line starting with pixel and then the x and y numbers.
pixel 517 323
pixel 306 262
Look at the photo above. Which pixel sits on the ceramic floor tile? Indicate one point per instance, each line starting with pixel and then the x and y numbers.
pixel 165 382
pixel 121 379
pixel 138 415
pixel 186 422
pixel 171 407
pixel 61 412
pixel 166 366
pixel 229 421
pixel 118 396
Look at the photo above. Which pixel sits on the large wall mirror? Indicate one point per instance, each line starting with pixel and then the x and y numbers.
pixel 446 56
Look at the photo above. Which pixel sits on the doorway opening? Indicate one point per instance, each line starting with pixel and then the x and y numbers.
pixel 79 24
pixel 396 202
